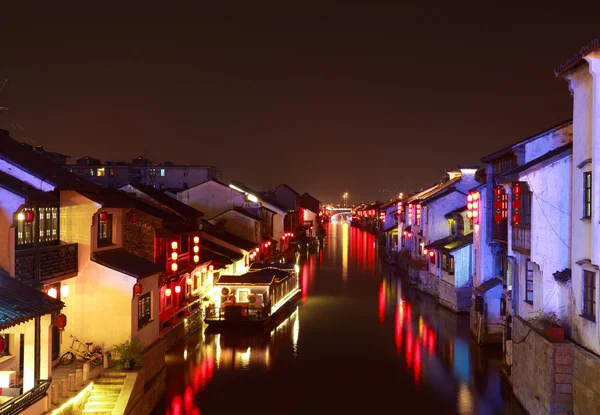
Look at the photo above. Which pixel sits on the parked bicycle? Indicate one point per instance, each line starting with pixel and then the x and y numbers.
pixel 77 348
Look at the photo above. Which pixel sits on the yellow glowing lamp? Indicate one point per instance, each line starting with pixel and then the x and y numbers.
pixel 196 239
pixel 64 291
pixel 469 214
pixel 52 292
pixel 20 216
pixel 470 198
pixel 174 245
pixel 189 281
pixel 174 256
pixel 196 249
pixel 178 289
pixel 168 292
pixel 174 266
pixel 196 258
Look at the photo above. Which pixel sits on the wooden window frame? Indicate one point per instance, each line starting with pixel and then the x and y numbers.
pixel 529 278
pixel 105 232
pixel 588 309
pixel 587 195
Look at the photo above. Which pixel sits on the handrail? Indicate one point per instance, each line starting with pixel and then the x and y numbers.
pixel 17 404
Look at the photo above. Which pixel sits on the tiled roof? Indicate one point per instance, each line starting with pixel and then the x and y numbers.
pixel 289 188
pixel 19 302
pixel 221 250
pixel 507 150
pixel 168 201
pixel 550 156
pixel 578 58
pixel 451 243
pixel 206 256
pixel 228 237
pixel 127 263
pixel 25 190
pixel 276 265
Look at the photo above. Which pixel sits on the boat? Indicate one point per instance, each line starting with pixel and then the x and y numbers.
pixel 257 298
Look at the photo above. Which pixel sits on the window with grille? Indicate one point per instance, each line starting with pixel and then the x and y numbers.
pixel 589 295
pixel 587 194
pixel 48 225
pixel 529 282
pixel 105 231
pixel 144 310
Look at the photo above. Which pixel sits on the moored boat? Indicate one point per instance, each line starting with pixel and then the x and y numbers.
pixel 255 298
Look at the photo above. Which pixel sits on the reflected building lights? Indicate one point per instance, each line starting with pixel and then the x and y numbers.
pixel 382 302
pixel 464 399
pixel 296 332
pixel 345 254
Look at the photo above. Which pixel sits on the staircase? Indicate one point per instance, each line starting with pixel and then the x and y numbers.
pixel 104 394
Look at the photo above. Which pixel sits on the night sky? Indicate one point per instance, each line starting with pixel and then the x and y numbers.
pixel 357 97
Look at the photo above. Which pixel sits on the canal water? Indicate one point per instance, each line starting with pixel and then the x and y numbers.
pixel 359 341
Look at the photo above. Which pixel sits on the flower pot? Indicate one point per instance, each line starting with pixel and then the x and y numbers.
pixel 554 334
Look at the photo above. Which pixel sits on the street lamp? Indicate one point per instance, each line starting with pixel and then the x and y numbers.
pixel 345 199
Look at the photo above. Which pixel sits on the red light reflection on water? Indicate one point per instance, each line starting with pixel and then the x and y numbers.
pixel 304 282
pixel 398 328
pixel 382 302
pixel 417 361
pixel 409 348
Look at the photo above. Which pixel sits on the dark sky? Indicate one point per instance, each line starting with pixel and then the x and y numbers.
pixel 358 97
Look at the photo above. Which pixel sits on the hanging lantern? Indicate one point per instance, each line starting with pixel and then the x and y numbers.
pixel 168 292
pixel 210 268
pixel 29 216
pixel 52 292
pixel 174 256
pixel 2 344
pixel 196 259
pixel 103 216
pixel 266 245
pixel 61 321
pixel 174 245
pixel 177 289
pixel 189 281
pixel 174 267
pixel 431 254
pixel 134 219
pixel 196 249
pixel 137 288
pixel 196 239
pixel 516 204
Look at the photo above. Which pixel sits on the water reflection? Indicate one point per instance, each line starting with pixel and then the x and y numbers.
pixel 365 338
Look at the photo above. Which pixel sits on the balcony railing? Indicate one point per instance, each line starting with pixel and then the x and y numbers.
pixel 21 402
pixel 46 263
pixel 238 313
pixel 521 239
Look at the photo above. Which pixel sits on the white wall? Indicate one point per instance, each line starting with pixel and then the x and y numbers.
pixel 437 226
pixel 463 266
pixel 211 198
pixel 9 204
pixel 551 140
pixel 240 225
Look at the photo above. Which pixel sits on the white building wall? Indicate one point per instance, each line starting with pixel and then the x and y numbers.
pixel 240 225
pixel 550 232
pixel 462 265
pixel 96 288
pixel 554 139
pixel 177 176
pixel 9 204
pixel 211 198
pixel 437 226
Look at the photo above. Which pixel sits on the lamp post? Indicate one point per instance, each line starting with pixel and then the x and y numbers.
pixel 345 199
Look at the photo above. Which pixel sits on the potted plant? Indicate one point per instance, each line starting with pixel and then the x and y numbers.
pixel 129 353
pixel 549 324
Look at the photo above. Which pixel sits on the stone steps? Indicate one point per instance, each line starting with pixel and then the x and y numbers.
pixel 104 394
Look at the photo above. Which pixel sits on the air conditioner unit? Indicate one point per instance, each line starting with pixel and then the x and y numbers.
pixel 255 300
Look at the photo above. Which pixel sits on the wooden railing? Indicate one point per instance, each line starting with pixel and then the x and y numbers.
pixel 521 239
pixel 45 263
pixel 238 312
pixel 21 402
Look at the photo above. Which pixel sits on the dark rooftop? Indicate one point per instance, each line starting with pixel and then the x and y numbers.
pixel 248 278
pixel 166 200
pixel 228 237
pixel 25 190
pixel 451 243
pixel 127 263
pixel 578 59
pixel 549 157
pixel 206 256
pixel 221 250
pixel 19 302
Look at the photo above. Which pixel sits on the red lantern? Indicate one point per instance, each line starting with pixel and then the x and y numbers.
pixel 137 288
pixel 498 217
pixel 431 254
pixel 134 219
pixel 178 289
pixel 168 292
pixel 61 321
pixel 103 216
pixel 2 344
pixel 29 216
pixel 517 188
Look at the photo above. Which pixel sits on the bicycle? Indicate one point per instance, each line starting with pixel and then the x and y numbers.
pixel 94 356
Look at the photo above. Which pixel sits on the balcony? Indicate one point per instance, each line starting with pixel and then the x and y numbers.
pixel 521 239
pixel 46 263
pixel 21 402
